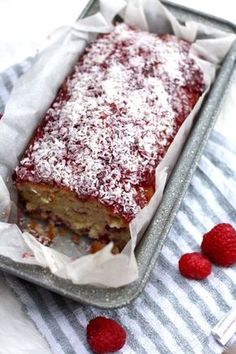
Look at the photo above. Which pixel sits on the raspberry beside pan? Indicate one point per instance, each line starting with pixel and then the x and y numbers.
pixel 92 161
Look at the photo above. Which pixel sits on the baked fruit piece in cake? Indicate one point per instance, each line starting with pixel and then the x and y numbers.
pixel 91 162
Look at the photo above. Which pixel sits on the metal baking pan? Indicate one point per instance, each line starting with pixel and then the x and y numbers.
pixel 150 246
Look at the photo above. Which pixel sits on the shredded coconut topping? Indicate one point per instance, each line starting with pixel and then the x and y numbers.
pixel 114 118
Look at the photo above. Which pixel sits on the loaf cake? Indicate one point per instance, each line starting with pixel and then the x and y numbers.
pixel 91 162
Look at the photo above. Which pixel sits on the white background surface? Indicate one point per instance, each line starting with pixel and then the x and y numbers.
pixel 24 25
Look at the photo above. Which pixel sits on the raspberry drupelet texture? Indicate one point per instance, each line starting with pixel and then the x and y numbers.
pixel 219 244
pixel 114 119
pixel 105 335
pixel 194 266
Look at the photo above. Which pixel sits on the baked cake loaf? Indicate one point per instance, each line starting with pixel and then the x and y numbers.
pixel 91 162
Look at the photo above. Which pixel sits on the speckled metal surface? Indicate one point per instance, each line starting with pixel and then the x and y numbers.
pixel 150 246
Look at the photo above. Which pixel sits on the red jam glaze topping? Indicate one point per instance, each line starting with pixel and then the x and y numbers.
pixel 114 119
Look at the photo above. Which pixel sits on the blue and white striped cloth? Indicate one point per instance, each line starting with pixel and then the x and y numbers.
pixel 173 314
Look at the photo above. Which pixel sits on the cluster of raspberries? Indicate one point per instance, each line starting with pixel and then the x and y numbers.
pixel 218 246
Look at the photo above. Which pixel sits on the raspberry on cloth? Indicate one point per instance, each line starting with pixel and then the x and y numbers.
pixel 219 244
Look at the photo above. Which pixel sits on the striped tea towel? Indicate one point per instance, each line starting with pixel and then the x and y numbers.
pixel 173 315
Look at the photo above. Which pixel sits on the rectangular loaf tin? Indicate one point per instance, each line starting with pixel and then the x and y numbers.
pixel 150 246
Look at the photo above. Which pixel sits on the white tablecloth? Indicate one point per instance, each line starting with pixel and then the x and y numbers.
pixel 17 333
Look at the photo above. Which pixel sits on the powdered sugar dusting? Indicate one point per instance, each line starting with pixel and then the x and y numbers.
pixel 114 119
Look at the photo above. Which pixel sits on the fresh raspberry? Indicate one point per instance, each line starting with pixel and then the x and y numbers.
pixel 194 266
pixel 105 335
pixel 219 244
